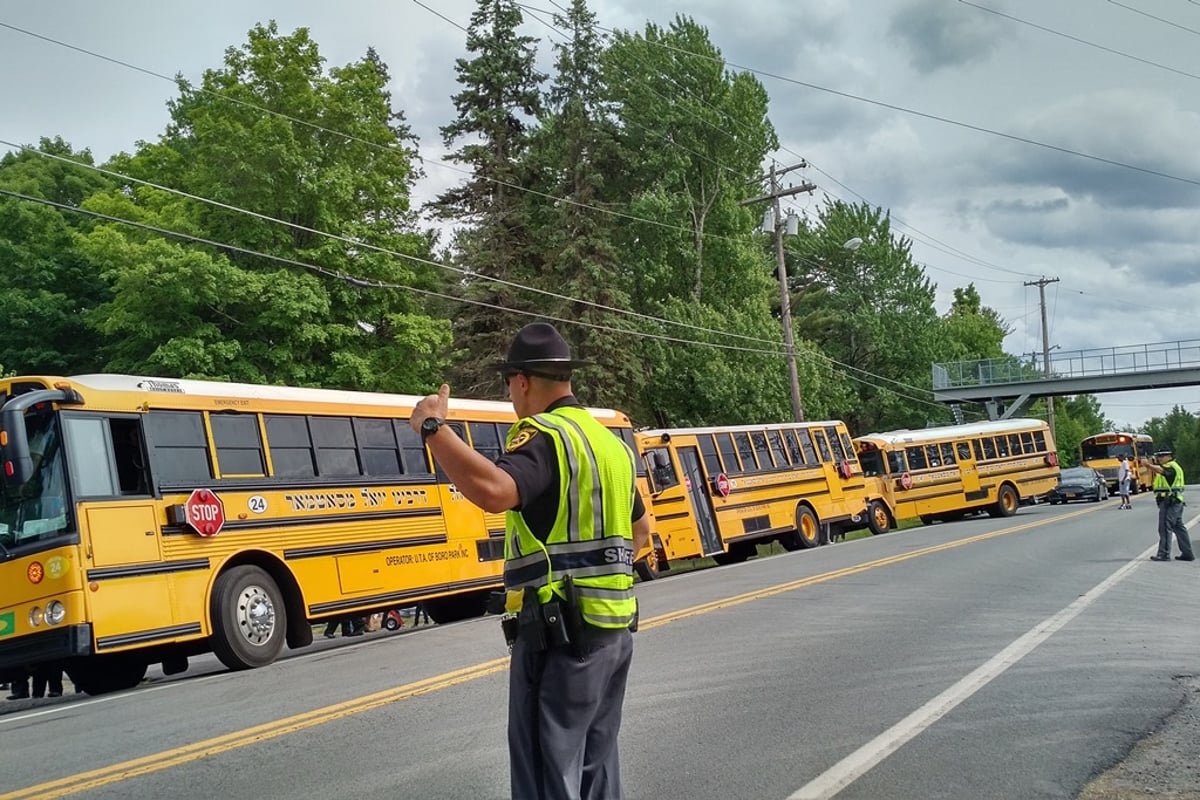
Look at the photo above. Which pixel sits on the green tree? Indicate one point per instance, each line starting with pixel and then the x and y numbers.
pixel 497 104
pixel 692 136
pixel 327 154
pixel 1179 430
pixel 871 310
pixel 971 330
pixel 46 285
pixel 1075 418
pixel 573 152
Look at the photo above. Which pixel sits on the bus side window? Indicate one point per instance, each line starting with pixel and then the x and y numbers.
pixel 485 440
pixel 1002 446
pixel 130 452
pixel 810 455
pixel 662 471
pixel 759 439
pixel 978 449
pixel 180 446
pixel 793 445
pixel 916 457
pixel 1039 439
pixel 708 449
pixel 416 457
pixel 746 451
pixel 989 448
pixel 291 446
pixel 964 451
pixel 89 456
pixel 1027 442
pixel 377 446
pixel 777 449
pixel 835 444
pixel 896 462
pixel 822 446
pixel 848 446
pixel 947 454
pixel 728 453
pixel 932 456
pixel 1014 444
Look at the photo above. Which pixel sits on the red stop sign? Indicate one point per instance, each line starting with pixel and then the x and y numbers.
pixel 721 484
pixel 205 512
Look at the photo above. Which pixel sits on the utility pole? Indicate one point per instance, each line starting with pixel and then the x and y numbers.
pixel 1041 284
pixel 785 301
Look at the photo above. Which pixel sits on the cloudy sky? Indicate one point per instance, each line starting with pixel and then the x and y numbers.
pixel 1116 80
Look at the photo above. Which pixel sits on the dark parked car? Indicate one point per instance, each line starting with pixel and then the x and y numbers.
pixel 1079 483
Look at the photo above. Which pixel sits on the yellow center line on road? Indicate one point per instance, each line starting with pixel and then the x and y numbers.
pixel 770 591
pixel 166 759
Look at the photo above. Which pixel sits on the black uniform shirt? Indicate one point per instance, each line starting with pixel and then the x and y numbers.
pixel 533 465
pixel 1169 475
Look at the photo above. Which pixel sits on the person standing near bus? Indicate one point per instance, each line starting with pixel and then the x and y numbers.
pixel 1168 493
pixel 1123 477
pixel 574 521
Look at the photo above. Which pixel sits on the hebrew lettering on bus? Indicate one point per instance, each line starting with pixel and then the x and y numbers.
pixel 321 501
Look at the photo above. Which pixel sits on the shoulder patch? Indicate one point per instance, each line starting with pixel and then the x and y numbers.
pixel 521 439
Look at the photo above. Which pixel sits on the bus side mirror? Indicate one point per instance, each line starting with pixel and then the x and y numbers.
pixel 18 463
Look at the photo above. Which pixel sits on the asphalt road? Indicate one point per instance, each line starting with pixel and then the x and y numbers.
pixel 980 659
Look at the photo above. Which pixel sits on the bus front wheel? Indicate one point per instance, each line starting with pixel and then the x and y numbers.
pixel 107 673
pixel 249 619
pixel 1007 502
pixel 648 568
pixel 878 518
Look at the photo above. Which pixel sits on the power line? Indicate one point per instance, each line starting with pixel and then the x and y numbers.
pixel 362 283
pixel 360 243
pixel 1160 19
pixel 927 115
pixel 1087 43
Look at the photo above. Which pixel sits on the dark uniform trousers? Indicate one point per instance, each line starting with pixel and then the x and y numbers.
pixel 564 713
pixel 1170 521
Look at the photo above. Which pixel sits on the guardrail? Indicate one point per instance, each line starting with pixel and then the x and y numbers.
pixel 1123 360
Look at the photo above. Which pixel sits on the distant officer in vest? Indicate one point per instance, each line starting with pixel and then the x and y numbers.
pixel 574 521
pixel 1168 493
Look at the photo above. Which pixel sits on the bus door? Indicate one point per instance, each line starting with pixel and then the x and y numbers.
pixel 829 465
pixel 967 470
pixel 697 488
pixel 131 601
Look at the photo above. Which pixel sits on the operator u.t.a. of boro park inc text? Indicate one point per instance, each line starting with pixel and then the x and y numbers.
pixel 574 521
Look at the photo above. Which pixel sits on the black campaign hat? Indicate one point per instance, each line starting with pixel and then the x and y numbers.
pixel 1166 451
pixel 539 349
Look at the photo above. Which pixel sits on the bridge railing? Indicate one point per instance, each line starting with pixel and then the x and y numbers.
pixel 1122 360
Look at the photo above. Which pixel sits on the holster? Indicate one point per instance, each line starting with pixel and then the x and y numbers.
pixel 530 625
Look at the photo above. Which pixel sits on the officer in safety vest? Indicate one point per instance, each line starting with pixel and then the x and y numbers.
pixel 1168 493
pixel 574 521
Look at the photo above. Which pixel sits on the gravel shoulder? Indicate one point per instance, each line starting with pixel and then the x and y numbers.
pixel 1165 765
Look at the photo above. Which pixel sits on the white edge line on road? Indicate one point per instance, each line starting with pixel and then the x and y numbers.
pixel 862 760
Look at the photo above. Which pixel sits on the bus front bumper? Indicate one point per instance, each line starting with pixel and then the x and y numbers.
pixel 49 645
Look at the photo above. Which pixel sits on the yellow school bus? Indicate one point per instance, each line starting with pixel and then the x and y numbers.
pixel 146 520
pixel 722 491
pixel 945 473
pixel 1103 451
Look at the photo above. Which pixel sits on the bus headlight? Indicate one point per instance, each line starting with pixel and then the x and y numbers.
pixel 56 612
pixel 35 617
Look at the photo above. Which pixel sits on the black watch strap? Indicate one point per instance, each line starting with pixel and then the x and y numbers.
pixel 430 426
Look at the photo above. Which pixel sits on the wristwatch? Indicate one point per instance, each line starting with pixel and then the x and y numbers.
pixel 430 426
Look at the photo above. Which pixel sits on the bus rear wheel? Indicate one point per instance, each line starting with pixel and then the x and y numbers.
pixel 737 553
pixel 1007 502
pixel 107 673
pixel 458 607
pixel 878 519
pixel 807 533
pixel 648 568
pixel 249 619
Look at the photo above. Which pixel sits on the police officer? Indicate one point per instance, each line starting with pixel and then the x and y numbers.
pixel 1168 493
pixel 574 521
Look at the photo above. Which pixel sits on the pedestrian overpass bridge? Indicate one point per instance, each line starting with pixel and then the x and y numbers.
pixel 1005 385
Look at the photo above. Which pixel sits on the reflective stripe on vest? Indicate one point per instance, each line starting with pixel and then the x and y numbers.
pixel 592 535
pixel 1162 488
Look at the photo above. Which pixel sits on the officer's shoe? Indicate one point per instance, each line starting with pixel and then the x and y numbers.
pixel 1160 558
pixel 1185 558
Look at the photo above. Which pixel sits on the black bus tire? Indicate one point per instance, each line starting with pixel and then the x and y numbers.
pixel 249 619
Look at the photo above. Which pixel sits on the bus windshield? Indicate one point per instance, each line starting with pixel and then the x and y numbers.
pixel 1097 452
pixel 37 509
pixel 872 463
